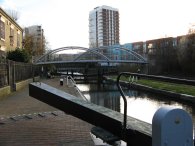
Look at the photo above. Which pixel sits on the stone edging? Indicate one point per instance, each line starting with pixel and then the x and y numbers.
pixel 4 91
pixel 173 95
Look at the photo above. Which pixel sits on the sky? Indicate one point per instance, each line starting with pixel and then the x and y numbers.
pixel 65 22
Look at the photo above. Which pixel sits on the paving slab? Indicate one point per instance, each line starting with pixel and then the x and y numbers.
pixel 27 121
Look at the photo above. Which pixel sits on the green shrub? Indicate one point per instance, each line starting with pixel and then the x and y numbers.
pixel 19 55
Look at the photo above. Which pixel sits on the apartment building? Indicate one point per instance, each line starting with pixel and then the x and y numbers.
pixel 37 34
pixel 11 34
pixel 103 27
pixel 159 46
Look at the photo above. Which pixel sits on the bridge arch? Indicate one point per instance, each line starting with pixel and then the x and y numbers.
pixel 59 50
pixel 102 52
pixel 128 51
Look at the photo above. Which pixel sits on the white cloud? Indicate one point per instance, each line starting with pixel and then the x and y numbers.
pixel 65 22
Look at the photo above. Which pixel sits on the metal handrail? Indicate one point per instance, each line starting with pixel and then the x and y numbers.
pixel 71 78
pixel 125 101
pixel 74 83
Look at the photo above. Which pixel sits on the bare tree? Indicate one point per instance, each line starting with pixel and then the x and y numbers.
pixel 13 14
pixel 35 48
pixel 28 44
pixel 191 29
pixel 47 47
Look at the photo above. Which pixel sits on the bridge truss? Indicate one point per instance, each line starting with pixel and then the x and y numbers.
pixel 75 54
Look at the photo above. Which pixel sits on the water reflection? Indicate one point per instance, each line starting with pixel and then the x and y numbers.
pixel 140 105
pixel 107 99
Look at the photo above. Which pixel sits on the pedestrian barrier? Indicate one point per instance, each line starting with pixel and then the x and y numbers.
pixel 69 79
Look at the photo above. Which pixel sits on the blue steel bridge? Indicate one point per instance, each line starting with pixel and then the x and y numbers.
pixel 75 54
pixel 89 62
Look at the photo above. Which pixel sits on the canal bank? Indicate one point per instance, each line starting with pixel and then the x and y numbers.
pixel 168 94
pixel 140 105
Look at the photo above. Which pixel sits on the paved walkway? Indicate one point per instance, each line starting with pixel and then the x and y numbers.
pixel 27 121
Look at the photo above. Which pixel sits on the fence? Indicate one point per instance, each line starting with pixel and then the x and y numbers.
pixel 3 74
pixel 12 72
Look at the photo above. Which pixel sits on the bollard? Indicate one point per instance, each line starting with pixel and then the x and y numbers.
pixel 132 80
pixel 136 79
pixel 172 127
pixel 61 82
pixel 67 78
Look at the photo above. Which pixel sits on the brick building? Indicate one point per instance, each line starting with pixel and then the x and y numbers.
pixel 11 34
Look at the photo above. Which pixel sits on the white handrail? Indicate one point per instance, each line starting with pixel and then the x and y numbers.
pixel 74 85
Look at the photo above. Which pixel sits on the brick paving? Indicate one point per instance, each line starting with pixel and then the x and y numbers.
pixel 25 121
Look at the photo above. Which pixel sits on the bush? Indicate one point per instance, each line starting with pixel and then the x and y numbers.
pixel 19 55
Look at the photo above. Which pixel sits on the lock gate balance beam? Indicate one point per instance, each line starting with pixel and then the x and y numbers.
pixel 137 133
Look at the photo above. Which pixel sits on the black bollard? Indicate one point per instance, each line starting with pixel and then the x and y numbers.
pixel 61 82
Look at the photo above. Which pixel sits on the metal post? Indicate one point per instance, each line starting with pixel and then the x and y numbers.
pixel 172 127
pixel 33 70
pixel 125 102
pixel 13 76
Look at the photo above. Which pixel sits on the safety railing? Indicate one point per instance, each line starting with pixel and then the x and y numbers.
pixel 162 127
pixel 71 79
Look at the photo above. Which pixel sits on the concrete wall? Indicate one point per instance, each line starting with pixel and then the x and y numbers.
pixel 172 95
pixel 22 84
pixel 4 91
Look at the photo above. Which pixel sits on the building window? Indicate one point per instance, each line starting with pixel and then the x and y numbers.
pixel 2 29
pixel 18 40
pixel 11 36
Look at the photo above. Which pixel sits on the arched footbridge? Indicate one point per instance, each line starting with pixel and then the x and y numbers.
pixel 89 61
pixel 75 54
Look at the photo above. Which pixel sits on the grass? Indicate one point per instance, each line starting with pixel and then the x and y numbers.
pixel 177 88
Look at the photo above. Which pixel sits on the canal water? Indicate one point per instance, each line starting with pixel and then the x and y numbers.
pixel 140 105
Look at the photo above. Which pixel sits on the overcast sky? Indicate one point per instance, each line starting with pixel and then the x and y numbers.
pixel 65 22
